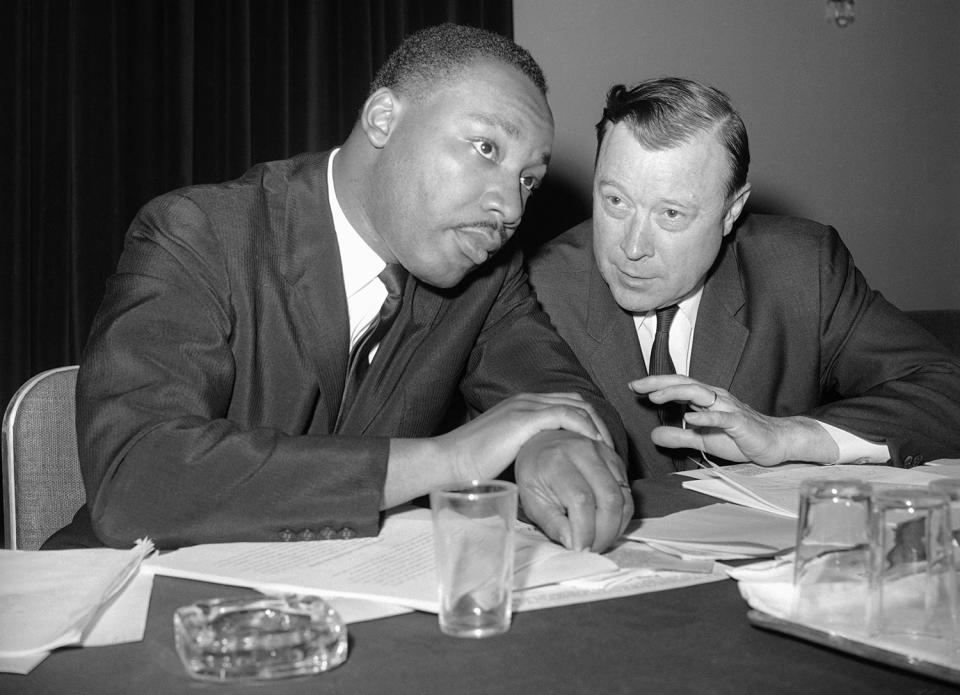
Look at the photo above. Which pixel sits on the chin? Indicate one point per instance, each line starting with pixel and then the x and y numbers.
pixel 629 301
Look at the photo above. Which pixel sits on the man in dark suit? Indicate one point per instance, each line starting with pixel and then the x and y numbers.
pixel 215 400
pixel 759 341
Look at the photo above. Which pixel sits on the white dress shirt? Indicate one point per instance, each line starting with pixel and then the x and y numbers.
pixel 852 448
pixel 361 268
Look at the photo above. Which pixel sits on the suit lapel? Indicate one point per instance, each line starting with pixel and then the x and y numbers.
pixel 720 336
pixel 310 261
pixel 418 314
pixel 615 360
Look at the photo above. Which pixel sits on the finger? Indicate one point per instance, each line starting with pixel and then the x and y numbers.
pixel 692 393
pixel 676 438
pixel 550 517
pixel 582 514
pixel 613 500
pixel 566 417
pixel 606 502
pixel 716 419
pixel 655 383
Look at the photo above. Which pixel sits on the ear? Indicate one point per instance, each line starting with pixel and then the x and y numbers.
pixel 379 115
pixel 735 208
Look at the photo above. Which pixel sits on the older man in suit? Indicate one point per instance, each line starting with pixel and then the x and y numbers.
pixel 736 339
pixel 276 356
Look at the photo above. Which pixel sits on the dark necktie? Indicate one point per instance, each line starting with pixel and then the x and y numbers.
pixel 393 277
pixel 671 414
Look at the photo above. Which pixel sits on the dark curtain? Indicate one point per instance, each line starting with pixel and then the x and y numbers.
pixel 113 102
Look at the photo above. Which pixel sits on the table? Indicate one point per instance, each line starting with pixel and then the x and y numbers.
pixel 691 640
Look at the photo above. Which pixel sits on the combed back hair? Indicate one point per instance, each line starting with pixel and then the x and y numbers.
pixel 434 55
pixel 670 111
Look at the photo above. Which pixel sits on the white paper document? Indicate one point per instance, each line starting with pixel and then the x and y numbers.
pixel 87 597
pixel 777 490
pixel 395 567
pixel 721 531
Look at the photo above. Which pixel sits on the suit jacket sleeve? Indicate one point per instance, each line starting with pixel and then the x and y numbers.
pixel 519 350
pixel 179 438
pixel 882 376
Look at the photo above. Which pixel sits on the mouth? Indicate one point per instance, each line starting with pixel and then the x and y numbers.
pixel 635 280
pixel 477 244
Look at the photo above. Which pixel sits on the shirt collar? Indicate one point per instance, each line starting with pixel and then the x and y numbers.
pixel 360 263
pixel 688 306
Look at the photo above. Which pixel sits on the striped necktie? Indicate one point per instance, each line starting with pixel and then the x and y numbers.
pixel 671 414
pixel 393 277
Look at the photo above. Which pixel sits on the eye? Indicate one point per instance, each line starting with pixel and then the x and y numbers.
pixel 485 148
pixel 671 214
pixel 531 183
pixel 614 200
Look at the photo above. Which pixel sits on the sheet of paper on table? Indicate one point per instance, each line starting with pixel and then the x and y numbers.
pixel 396 570
pixel 89 597
pixel 396 567
pixel 722 531
pixel 777 489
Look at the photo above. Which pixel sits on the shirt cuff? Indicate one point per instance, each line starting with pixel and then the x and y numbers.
pixel 854 449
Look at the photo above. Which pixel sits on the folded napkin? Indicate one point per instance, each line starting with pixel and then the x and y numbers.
pixel 768 587
pixel 65 597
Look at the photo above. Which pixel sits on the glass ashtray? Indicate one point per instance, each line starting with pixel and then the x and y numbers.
pixel 259 638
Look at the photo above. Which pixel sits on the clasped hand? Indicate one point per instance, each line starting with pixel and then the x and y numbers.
pixel 572 483
pixel 720 425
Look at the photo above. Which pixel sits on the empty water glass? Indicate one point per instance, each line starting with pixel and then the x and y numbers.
pixel 831 572
pixel 912 583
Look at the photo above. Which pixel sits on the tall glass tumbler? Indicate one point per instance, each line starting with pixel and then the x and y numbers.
pixel 473 527
pixel 951 488
pixel 831 571
pixel 913 588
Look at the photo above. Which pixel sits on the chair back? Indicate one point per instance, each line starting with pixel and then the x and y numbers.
pixel 42 485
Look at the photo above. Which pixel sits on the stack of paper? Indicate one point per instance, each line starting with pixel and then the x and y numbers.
pixel 718 531
pixel 396 570
pixel 397 567
pixel 777 490
pixel 66 597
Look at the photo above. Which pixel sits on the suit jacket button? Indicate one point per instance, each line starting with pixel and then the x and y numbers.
pixel 327 533
pixel 306 535
pixel 346 533
pixel 918 459
pixel 286 534
pixel 908 462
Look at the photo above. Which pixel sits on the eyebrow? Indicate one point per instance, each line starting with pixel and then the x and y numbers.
pixel 506 126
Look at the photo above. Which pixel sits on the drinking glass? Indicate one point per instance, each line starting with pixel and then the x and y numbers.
pixel 951 488
pixel 473 531
pixel 912 582
pixel 831 575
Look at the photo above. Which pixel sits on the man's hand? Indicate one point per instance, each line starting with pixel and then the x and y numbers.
pixel 575 489
pixel 485 446
pixel 722 426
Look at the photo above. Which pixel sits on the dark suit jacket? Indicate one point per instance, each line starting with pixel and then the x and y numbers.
pixel 209 390
pixel 786 323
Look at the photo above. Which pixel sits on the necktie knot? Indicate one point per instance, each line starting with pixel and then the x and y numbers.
pixel 393 277
pixel 665 318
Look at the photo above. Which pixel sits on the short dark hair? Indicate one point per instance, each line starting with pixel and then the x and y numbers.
pixel 435 54
pixel 668 111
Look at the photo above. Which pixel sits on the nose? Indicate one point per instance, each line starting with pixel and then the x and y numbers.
pixel 637 242
pixel 505 198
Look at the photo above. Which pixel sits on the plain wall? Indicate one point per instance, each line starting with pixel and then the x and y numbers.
pixel 857 127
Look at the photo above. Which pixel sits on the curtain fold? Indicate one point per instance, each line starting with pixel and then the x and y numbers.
pixel 115 101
